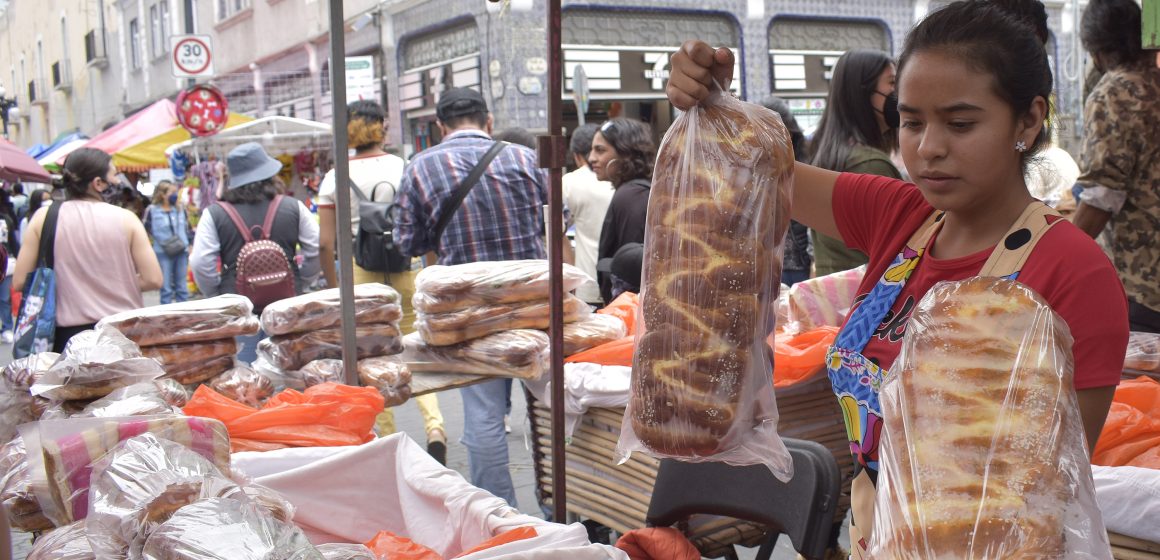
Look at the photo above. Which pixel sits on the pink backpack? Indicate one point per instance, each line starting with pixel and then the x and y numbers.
pixel 263 272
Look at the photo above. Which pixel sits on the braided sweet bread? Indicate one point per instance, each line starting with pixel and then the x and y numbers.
pixel 718 211
pixel 983 449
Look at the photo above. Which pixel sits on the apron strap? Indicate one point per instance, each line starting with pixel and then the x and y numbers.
pixel 922 236
pixel 1011 254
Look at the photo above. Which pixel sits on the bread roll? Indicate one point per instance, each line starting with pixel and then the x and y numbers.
pixel 215 318
pixel 983 445
pixel 718 210
pixel 389 375
pixel 1143 352
pixel 444 329
pixel 373 303
pixel 192 352
pixel 441 289
pixel 293 351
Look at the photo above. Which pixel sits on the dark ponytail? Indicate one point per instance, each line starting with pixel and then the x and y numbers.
pixel 81 167
pixel 1111 29
pixel 1000 38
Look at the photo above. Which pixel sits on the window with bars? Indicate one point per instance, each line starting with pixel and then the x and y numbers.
pixel 135 44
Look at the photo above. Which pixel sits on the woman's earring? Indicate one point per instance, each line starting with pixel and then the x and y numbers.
pixel 1021 146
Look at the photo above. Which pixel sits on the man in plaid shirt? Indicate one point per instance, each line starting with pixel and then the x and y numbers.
pixel 502 218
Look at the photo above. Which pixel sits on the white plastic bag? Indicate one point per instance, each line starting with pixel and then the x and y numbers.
pixel 717 215
pixel 983 452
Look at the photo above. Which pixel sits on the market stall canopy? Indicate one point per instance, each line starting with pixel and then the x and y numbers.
pixel 143 125
pixel 278 135
pixel 150 154
pixel 49 159
pixel 36 150
pixel 15 164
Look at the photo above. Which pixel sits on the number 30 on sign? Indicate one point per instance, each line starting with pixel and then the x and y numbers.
pixel 191 56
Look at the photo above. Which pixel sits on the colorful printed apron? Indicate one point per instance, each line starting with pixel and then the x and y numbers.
pixel 856 380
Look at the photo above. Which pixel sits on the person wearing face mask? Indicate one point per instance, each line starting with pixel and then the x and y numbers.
pixel 167 224
pixel 103 259
pixel 856 135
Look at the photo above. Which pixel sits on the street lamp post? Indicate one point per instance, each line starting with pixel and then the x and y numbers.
pixel 6 104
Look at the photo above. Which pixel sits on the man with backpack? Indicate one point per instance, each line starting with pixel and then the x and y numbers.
pixel 258 234
pixel 374 176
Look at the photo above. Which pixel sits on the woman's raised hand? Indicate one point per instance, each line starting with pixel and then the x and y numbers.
pixel 692 71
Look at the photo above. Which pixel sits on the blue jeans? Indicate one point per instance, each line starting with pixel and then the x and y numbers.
pixel 173 272
pixel 248 347
pixel 6 304
pixel 791 277
pixel 485 439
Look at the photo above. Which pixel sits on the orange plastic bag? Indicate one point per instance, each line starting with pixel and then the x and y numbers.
pixel 625 307
pixel 1131 434
pixel 798 358
pixel 615 353
pixel 326 415
pixel 389 545
pixel 517 534
pixel 657 543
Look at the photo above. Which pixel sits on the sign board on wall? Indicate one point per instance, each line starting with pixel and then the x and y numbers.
pixel 626 72
pixel 420 88
pixel 360 78
pixel 191 55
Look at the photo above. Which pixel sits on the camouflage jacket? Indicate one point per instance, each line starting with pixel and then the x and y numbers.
pixel 1120 173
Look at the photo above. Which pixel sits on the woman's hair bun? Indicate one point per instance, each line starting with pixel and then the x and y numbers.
pixel 1030 12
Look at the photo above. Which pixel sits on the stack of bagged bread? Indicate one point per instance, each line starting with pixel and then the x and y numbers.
pixel 490 317
pixel 193 340
pixel 305 344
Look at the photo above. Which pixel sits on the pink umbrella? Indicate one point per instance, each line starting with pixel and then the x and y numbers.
pixel 15 164
pixel 143 125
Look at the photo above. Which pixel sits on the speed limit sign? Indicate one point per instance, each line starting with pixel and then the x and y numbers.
pixel 191 55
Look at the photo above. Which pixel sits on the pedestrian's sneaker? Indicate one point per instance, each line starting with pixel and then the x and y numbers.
pixel 6 338
pixel 507 424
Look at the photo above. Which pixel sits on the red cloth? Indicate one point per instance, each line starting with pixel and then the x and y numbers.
pixel 657 543
pixel 877 215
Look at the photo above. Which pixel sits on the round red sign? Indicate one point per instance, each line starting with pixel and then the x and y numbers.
pixel 202 110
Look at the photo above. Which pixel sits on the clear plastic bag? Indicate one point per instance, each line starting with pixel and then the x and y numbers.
pixel 139 485
pixel 16 408
pixel 244 385
pixel 373 303
pixel 191 352
pixel 199 372
pixel 292 351
pixel 64 543
pixel 389 375
pixel 23 373
pixel 140 399
pixel 95 363
pixel 718 211
pixel 340 551
pixel 824 301
pixel 522 353
pixel 441 289
pixel 317 372
pixel 1143 352
pixel 225 529
pixel 443 329
pixel 173 392
pixel 983 452
pixel 16 493
pixel 224 316
pixel 61 453
pixel 592 331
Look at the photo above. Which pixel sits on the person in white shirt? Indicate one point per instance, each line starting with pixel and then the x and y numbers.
pixel 587 197
pixel 377 174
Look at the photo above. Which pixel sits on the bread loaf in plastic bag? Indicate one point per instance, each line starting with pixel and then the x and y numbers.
pixel 440 289
pixel 719 208
pixel 983 450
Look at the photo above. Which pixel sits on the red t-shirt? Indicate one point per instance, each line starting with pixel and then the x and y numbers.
pixel 878 215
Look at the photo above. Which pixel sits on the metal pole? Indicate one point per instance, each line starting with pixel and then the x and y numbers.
pixel 188 31
pixel 342 177
pixel 551 153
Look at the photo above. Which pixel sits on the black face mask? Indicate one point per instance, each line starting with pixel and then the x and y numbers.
pixel 889 110
pixel 112 193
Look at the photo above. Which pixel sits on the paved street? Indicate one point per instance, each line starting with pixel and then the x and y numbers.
pixel 409 420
